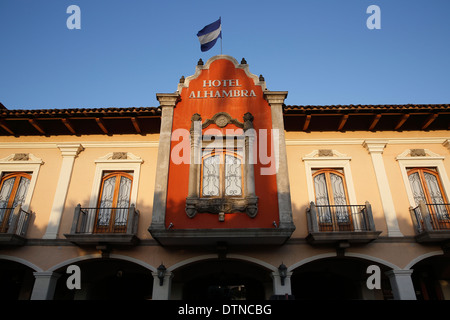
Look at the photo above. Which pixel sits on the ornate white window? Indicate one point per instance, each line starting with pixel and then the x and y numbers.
pixel 328 174
pixel 221 177
pixel 18 171
pixel 424 176
pixel 222 174
pixel 115 188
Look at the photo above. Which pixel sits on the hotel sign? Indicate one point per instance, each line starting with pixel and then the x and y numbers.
pixel 226 88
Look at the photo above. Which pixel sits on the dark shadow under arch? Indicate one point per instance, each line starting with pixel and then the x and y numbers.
pixel 227 279
pixel 107 279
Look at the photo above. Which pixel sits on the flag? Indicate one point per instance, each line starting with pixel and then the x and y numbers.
pixel 209 35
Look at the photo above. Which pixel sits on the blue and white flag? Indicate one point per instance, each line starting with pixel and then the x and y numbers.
pixel 209 35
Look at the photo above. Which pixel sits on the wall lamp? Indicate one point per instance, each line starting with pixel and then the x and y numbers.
pixel 161 273
pixel 282 271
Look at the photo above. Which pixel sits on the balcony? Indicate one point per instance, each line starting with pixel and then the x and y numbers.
pixel 431 222
pixel 13 226
pixel 340 224
pixel 104 226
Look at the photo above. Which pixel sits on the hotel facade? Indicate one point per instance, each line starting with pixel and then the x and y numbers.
pixel 225 192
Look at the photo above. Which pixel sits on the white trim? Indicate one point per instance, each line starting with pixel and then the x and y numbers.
pixel 94 144
pixel 375 259
pixel 359 141
pixel 422 257
pixel 376 148
pixel 21 261
pixel 432 161
pixel 191 260
pixel 106 163
pixel 337 161
pixel 311 259
pixel 98 256
pixel 68 152
pixel 32 165
pixel 214 257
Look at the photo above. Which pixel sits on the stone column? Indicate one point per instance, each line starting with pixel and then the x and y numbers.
pixel 69 152
pixel 162 292
pixel 44 285
pixel 167 102
pixel 276 100
pixel 375 149
pixel 401 284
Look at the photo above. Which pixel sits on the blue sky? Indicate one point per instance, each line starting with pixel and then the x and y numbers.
pixel 320 51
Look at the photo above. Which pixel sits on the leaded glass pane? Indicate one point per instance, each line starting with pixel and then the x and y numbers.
pixel 233 176
pixel 436 195
pixel 339 197
pixel 106 202
pixel 416 188
pixel 211 176
pixel 123 201
pixel 5 193
pixel 21 191
pixel 320 185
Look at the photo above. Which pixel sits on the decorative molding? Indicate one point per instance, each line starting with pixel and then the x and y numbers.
pixel 119 157
pixel 446 144
pixel 14 159
pixel 222 119
pixel 198 69
pixel 249 205
pixel 417 153
pixel 375 146
pixel 359 141
pixel 423 154
pixel 330 154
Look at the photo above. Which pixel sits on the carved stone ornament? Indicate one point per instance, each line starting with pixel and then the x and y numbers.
pixel 119 155
pixel 21 157
pixel 418 153
pixel 325 153
pixel 222 119
pixel 249 205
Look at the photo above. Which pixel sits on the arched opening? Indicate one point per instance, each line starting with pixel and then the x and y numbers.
pixel 107 279
pixel 16 281
pixel 431 278
pixel 338 279
pixel 222 280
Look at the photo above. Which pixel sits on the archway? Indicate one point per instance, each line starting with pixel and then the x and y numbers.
pixel 107 279
pixel 16 281
pixel 431 278
pixel 338 278
pixel 222 279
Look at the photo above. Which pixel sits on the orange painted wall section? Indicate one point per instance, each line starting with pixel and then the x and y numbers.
pixel 265 185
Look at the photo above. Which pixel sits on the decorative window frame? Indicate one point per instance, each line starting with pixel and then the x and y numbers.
pixel 126 162
pixel 32 164
pixel 332 160
pixel 248 201
pixel 108 163
pixel 407 160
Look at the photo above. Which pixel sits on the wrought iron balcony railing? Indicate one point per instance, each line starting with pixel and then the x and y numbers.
pixel 340 224
pixel 103 227
pixel 105 220
pixel 14 221
pixel 431 217
pixel 335 218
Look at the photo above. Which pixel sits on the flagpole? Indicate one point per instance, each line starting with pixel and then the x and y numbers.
pixel 221 35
